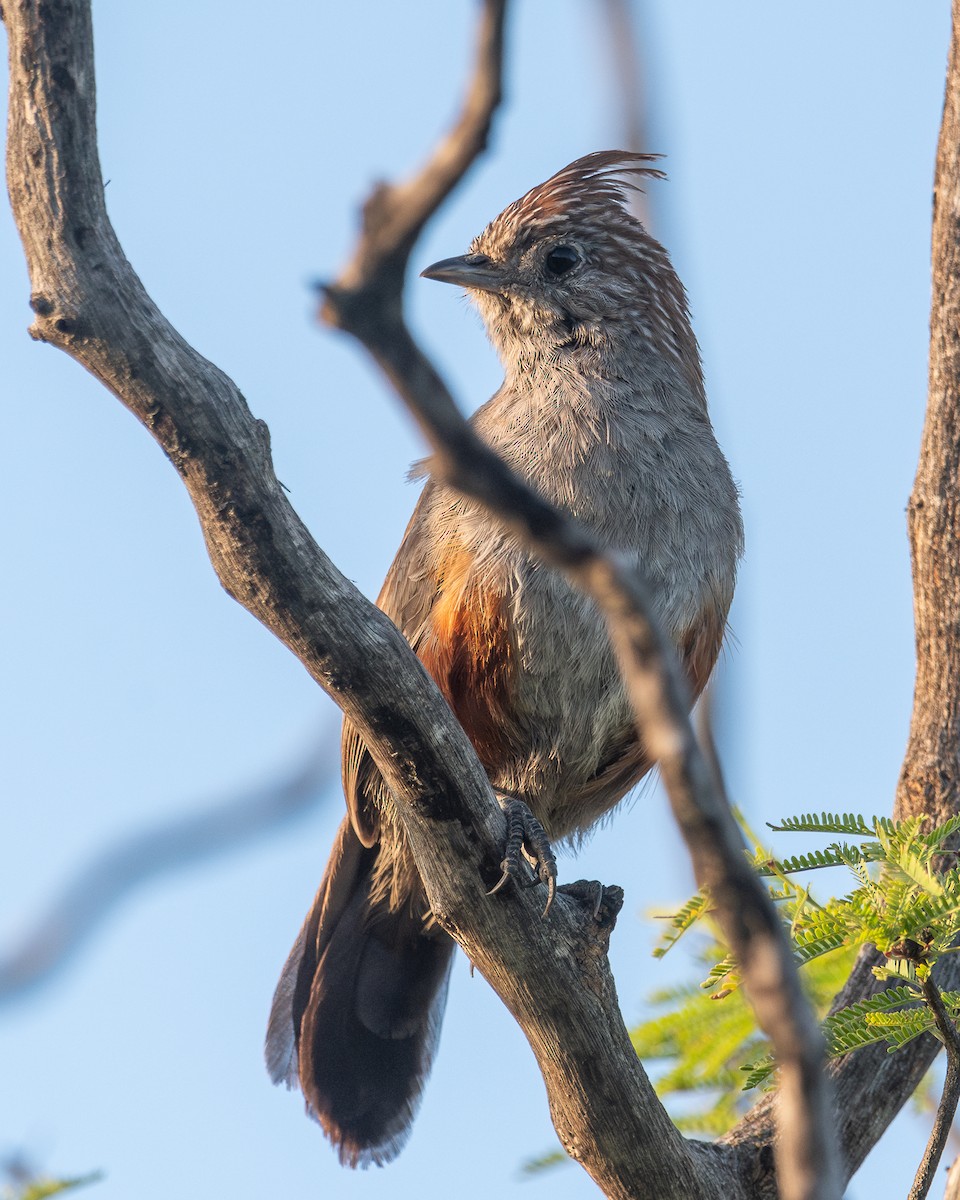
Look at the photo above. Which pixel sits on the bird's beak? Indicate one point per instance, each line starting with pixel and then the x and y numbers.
pixel 469 271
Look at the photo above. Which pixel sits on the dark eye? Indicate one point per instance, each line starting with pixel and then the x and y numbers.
pixel 561 259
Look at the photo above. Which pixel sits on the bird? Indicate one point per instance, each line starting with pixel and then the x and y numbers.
pixel 603 412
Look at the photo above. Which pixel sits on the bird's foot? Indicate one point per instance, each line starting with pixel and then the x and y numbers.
pixel 527 844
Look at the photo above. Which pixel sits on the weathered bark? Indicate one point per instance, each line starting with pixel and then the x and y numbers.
pixel 930 778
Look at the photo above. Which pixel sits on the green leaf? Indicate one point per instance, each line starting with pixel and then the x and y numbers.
pixel 940 833
pixel 681 921
pixel 896 1016
pixel 759 1072
pixel 803 862
pixel 814 947
pixel 724 972
pixel 706 1044
pixel 849 823
pixel 709 1045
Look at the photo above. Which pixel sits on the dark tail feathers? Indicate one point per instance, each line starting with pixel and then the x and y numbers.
pixel 357 1012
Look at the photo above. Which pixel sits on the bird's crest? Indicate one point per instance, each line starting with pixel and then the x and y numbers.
pixel 589 184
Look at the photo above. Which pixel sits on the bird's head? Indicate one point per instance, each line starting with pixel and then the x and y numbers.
pixel 568 267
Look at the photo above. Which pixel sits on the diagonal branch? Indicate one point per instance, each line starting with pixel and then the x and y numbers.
pixel 395 214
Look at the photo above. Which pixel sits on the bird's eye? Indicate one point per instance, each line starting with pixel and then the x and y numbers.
pixel 561 259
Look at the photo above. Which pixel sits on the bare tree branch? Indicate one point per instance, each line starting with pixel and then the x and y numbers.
pixel 395 214
pixel 88 899
pixel 947 1107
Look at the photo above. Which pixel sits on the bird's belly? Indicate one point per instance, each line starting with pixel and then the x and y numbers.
pixel 533 678
pixel 570 712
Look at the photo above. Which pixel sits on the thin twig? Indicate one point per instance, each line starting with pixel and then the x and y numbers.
pixel 951 1091
pixel 394 214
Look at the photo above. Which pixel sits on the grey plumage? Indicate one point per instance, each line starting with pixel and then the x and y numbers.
pixel 602 410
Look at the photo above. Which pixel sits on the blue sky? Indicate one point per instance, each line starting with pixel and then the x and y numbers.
pixel 799 144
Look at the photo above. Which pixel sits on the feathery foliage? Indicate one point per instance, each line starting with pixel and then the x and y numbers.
pixel 905 901
pixel 705 1046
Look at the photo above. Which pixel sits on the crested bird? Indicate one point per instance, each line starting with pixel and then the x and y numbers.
pixel 602 411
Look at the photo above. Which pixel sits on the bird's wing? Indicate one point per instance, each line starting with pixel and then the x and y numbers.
pixel 407 597
pixel 699 646
pixel 456 618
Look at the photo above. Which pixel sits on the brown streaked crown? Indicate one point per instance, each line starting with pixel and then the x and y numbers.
pixel 586 187
pixel 620 288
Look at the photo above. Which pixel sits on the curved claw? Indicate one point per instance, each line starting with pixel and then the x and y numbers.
pixel 513 868
pixel 501 881
pixel 551 892
pixel 525 835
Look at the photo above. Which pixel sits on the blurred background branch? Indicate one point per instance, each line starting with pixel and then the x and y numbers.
pixel 98 888
pixel 621 31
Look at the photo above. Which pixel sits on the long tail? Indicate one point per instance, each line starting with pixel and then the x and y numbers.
pixel 357 1012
